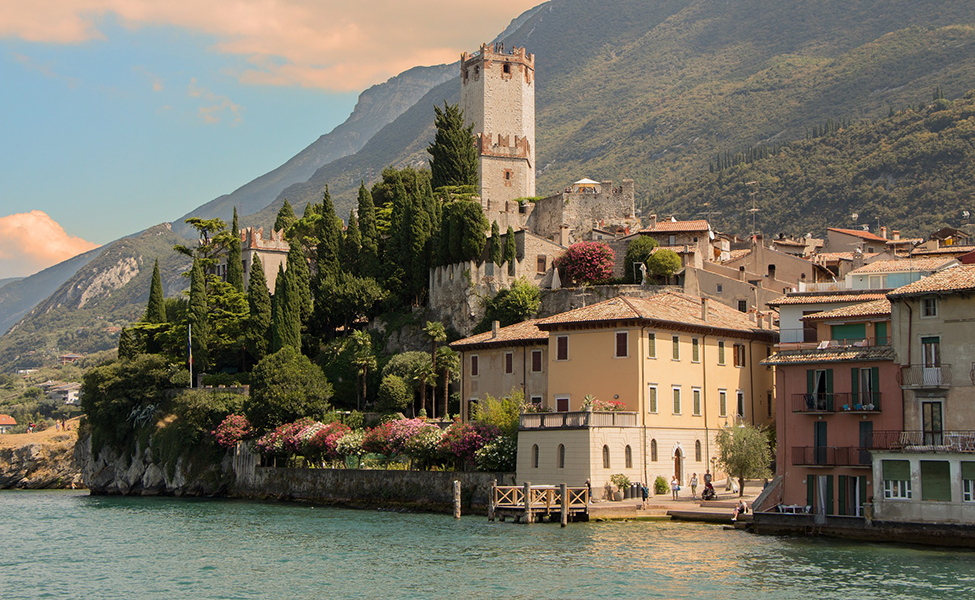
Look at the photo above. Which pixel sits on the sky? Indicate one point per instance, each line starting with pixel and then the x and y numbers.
pixel 116 115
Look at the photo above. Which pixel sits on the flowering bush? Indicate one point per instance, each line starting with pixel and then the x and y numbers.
pixel 350 444
pixel 463 440
pixel 596 404
pixel 424 445
pixel 320 441
pixel 285 440
pixel 231 430
pixel 390 438
pixel 587 262
pixel 501 454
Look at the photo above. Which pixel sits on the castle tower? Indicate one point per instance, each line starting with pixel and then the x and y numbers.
pixel 497 94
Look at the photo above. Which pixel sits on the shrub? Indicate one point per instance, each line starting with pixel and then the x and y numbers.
pixel 501 454
pixel 231 430
pixel 587 262
pixel 620 481
pixel 511 305
pixel 638 251
pixel 660 485
pixel 664 263
pixel 286 387
pixel 394 394
pixel 462 440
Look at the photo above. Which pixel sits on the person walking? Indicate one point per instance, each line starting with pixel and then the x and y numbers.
pixel 693 486
pixel 675 487
pixel 645 493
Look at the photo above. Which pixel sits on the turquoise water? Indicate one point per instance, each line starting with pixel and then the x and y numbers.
pixel 70 545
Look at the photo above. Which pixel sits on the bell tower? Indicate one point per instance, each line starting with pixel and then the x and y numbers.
pixel 497 94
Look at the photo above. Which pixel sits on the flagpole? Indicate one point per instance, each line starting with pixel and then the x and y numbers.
pixel 189 348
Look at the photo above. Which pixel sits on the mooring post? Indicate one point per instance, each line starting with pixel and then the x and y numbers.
pixel 456 499
pixel 565 505
pixel 492 498
pixel 528 502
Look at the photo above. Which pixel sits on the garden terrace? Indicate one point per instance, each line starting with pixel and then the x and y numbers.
pixel 577 420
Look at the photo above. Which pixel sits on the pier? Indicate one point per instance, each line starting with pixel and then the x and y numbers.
pixel 530 504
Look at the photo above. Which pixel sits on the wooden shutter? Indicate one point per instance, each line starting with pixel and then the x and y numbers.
pixel 855 386
pixel 810 490
pixel 810 380
pixel 842 495
pixel 935 480
pixel 967 470
pixel 829 381
pixel 897 470
pixel 829 495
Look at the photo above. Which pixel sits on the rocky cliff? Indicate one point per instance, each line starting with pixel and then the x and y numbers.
pixel 48 464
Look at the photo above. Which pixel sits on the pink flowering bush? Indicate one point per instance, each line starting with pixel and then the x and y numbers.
pixel 587 262
pixel 608 405
pixel 285 440
pixel 463 440
pixel 319 441
pixel 231 430
pixel 396 438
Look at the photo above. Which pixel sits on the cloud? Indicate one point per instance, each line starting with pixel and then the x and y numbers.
pixel 217 105
pixel 330 44
pixel 33 241
pixel 45 69
pixel 156 81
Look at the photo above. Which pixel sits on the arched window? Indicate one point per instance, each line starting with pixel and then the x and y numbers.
pixel 605 457
pixel 561 456
pixel 653 450
pixel 697 450
pixel 535 456
pixel 629 457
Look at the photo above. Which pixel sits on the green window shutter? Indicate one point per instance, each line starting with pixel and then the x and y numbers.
pixel 881 332
pixel 851 331
pixel 810 380
pixel 967 470
pixel 897 470
pixel 810 489
pixel 935 480
pixel 829 495
pixel 829 381
pixel 842 496
pixel 854 384
pixel 875 384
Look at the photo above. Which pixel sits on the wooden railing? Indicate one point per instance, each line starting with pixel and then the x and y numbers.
pixel 565 420
pixel 541 500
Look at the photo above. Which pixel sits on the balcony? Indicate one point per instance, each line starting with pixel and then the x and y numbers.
pixel 830 456
pixel 921 377
pixel 924 441
pixel 799 339
pixel 816 404
pixel 576 420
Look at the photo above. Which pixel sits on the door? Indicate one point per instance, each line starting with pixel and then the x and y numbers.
pixel 678 465
pixel 866 442
pixel 931 360
pixel 931 423
pixel 819 441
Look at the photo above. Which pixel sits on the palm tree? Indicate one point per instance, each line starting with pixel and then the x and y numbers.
pixel 437 334
pixel 363 359
pixel 449 365
pixel 423 375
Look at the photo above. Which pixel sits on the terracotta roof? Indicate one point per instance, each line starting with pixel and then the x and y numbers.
pixel 663 309
pixel 846 354
pixel 669 226
pixel 519 333
pixel 952 279
pixel 864 235
pixel 830 256
pixel 944 250
pixel 7 420
pixel 788 242
pixel 876 308
pixel 738 254
pixel 866 296
pixel 897 266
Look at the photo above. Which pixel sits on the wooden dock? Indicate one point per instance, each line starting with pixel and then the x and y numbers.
pixel 530 504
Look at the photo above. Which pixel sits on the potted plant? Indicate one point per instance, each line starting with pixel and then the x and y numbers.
pixel 621 482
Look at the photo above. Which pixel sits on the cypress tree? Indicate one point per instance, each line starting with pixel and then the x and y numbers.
pixel 329 236
pixel 198 316
pixel 416 244
pixel 510 250
pixel 285 324
pixel 369 257
pixel 286 217
pixel 235 269
pixel 495 253
pixel 351 246
pixel 301 281
pixel 156 309
pixel 453 154
pixel 258 332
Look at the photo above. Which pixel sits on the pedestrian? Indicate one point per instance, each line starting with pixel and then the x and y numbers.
pixel 645 493
pixel 694 485
pixel 707 477
pixel 589 489
pixel 740 509
pixel 675 487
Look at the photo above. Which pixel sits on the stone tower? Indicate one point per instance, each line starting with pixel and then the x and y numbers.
pixel 497 94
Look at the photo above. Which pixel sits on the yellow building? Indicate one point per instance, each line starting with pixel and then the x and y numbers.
pixel 681 367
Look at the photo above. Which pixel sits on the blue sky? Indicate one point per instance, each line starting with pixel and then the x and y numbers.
pixel 116 115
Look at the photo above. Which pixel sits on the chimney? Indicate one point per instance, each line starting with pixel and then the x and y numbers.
pixel 704 309
pixel 883 232
pixel 897 234
pixel 651 221
pixel 495 325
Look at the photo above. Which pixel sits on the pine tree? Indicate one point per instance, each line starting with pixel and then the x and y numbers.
pixel 329 236
pixel 156 309
pixel 495 253
pixel 198 317
pixel 369 257
pixel 453 154
pixel 258 329
pixel 235 268
pixel 510 250
pixel 286 217
pixel 351 246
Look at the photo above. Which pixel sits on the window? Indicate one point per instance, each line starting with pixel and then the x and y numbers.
pixel 968 481
pixel 696 396
pixel 671 240
pixel 562 347
pixel 541 263
pixel 507 69
pixel 935 480
pixel 536 401
pixel 652 398
pixel 509 362
pixel 739 355
pixel 561 456
pixel 932 424
pixel 697 450
pixel 743 306
pixel 695 350
pixel 605 457
pixel 768 407
pixel 897 479
pixel 676 350
pixel 562 404
pixel 474 366
pixel 719 289
pixel 722 403
pixel 929 308
pixel 622 344
pixel 535 456
pixel 721 353
pixel 652 345
pixel 676 400
pixel 536 361
pixel 629 457
pixel 653 450
pixel 741 403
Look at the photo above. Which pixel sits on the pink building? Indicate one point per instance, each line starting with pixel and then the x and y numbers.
pixel 831 395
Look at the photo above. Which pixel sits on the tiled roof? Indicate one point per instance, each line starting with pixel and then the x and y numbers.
pixel 952 279
pixel 788 242
pixel 897 266
pixel 674 226
pixel 876 308
pixel 7 420
pixel 526 331
pixel 864 235
pixel 663 308
pixel 952 250
pixel 831 256
pixel 866 296
pixel 737 254
pixel 846 354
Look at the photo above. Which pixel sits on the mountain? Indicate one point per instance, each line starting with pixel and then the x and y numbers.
pixel 376 107
pixel 653 90
pixel 884 170
pixel 85 313
pixel 4 282
pixel 17 297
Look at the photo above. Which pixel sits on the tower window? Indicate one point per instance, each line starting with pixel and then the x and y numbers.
pixel 507 69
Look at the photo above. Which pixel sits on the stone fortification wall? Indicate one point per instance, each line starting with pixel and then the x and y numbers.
pixel 507 213
pixel 579 212
pixel 559 301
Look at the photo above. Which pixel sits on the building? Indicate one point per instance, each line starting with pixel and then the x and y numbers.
pixel 849 240
pixel 273 252
pixel 794 306
pixel 6 423
pixel 680 368
pixel 497 94
pixel 831 395
pixel 890 274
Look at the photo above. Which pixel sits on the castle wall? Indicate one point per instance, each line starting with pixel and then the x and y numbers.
pixel 581 211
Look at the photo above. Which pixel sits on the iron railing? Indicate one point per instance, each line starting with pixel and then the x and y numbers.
pixel 820 403
pixel 830 456
pixel 921 376
pixel 924 441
